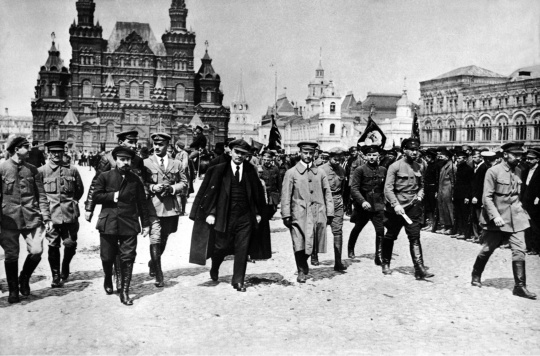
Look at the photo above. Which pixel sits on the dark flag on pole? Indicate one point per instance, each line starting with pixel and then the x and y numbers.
pixel 372 135
pixel 274 141
pixel 415 132
pixel 257 145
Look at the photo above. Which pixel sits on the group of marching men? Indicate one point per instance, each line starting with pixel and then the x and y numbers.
pixel 232 209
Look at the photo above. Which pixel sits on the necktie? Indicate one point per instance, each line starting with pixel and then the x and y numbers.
pixel 162 163
pixel 237 174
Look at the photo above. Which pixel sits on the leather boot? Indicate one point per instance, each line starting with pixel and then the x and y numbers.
pixel 151 269
pixel 520 288
pixel 29 266
pixel 155 254
pixel 68 256
pixel 184 201
pixel 338 264
pixel 387 246
pixel 350 246
pixel 476 274
pixel 54 262
pixel 118 273
pixel 127 270
pixel 378 259
pixel 107 283
pixel 12 269
pixel 420 271
pixel 315 259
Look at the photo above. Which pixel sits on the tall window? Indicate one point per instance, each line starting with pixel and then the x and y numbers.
pixel 536 125
pixel 428 132
pixel 452 131
pixel 332 108
pixel 146 91
pixel 53 89
pixel 503 130
pixel 521 130
pixel 471 131
pixel 122 89
pixel 440 131
pixel 486 130
pixel 134 90
pixel 180 92
pixel 87 89
pixel 208 96
pixel 332 129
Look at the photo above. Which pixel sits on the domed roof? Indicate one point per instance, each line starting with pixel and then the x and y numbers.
pixel 404 101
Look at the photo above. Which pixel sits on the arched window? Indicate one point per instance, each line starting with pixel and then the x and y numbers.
pixel 332 108
pixel 122 62
pixel 158 64
pixel 53 89
pixel 122 89
pixel 503 129
pixel 521 129
pixel 208 96
pixel 452 131
pixel 109 61
pixel 471 130
pixel 486 130
pixel 146 91
pixel 332 129
pixel 428 131
pixel 440 131
pixel 180 92
pixel 536 125
pixel 87 89
pixel 134 90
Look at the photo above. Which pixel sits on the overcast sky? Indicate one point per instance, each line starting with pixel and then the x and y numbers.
pixel 366 45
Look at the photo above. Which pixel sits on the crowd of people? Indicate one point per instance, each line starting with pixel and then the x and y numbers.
pixel 478 195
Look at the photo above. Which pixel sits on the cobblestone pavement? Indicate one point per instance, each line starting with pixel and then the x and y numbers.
pixel 357 312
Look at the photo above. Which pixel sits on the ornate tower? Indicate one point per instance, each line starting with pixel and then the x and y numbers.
pixel 316 89
pixel 241 122
pixel 85 12
pixel 178 13
pixel 207 82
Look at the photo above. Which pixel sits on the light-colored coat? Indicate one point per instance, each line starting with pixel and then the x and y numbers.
pixel 447 181
pixel 173 175
pixel 501 199
pixel 307 199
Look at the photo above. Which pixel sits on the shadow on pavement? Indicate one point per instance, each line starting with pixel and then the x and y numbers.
pixel 499 283
pixel 252 280
pixel 47 292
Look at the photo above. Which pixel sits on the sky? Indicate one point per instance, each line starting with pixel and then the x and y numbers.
pixel 366 45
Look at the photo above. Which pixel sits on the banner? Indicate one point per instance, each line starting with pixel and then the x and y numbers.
pixel 372 135
pixel 274 141
pixel 415 132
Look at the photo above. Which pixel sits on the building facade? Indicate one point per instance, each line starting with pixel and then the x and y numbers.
pixel 128 82
pixel 242 123
pixel 12 126
pixel 477 107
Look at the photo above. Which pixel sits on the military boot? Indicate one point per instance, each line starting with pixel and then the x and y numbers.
pixel 378 259
pixel 13 283
pixel 387 246
pixel 338 264
pixel 420 272
pixel 118 273
pixel 29 266
pixel 155 254
pixel 520 288
pixel 54 262
pixel 127 270
pixel 107 283
pixel 478 269
pixel 315 259
pixel 68 256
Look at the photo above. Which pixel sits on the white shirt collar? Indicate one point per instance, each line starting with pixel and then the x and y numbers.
pixel 233 167
pixel 305 164
pixel 165 160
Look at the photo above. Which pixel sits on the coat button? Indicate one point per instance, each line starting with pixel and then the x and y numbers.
pixel 311 192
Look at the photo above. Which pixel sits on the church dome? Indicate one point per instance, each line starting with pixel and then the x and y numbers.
pixel 404 101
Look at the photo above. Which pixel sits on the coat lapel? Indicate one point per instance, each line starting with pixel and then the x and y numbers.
pixel 248 182
pixel 226 185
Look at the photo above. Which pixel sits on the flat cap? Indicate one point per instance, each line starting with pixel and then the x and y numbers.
pixel 17 142
pixel 534 151
pixel 391 151
pixel 199 127
pixel 488 154
pixel 270 153
pixel 513 147
pixel 308 144
pixel 431 152
pixel 410 143
pixel 219 145
pixel 181 145
pixel 56 145
pixel 352 149
pixel 128 135
pixel 240 145
pixel 160 137
pixel 461 153
pixel 370 149
pixel 325 154
pixel 121 151
pixel 336 151
pixel 445 152
pixel 466 147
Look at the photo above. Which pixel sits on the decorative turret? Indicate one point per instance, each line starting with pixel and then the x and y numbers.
pixel 159 93
pixel 53 78
pixel 85 18
pixel 178 13
pixel 207 83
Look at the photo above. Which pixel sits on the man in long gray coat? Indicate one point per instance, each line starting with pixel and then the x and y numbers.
pixel 306 207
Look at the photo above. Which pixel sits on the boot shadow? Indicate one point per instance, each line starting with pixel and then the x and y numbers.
pixel 252 280
pixel 499 283
pixel 39 294
pixel 141 288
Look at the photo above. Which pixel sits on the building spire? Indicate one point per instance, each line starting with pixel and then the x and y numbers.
pixel 85 12
pixel 240 94
pixel 178 14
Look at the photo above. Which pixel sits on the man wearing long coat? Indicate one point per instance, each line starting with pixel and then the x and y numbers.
pixel 445 193
pixel 306 207
pixel 226 212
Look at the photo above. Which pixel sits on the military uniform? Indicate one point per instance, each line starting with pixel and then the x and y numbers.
pixel 404 187
pixel 272 181
pixel 336 180
pixel 502 188
pixel 24 211
pixel 368 186
pixel 163 206
pixel 63 187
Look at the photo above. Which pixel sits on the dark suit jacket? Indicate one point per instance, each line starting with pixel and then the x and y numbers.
pixel 530 192
pixel 36 157
pixel 463 185
pixel 478 183
pixel 122 217
pixel 213 198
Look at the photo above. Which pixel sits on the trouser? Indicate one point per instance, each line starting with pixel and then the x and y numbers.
pixel 337 222
pixel 271 210
pixel 532 236
pixel 396 222
pixel 125 246
pixel 9 240
pixel 161 228
pixel 66 233
pixel 493 239
pixel 462 216
pixel 301 259
pixel 376 218
pixel 476 228
pixel 236 239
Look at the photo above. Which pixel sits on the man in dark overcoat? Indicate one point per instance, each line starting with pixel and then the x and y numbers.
pixel 63 187
pixel 531 199
pixel 226 211
pixel 123 200
pixel 481 160
pixel 462 192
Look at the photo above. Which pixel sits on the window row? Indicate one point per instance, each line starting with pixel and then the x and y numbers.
pixel 486 132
